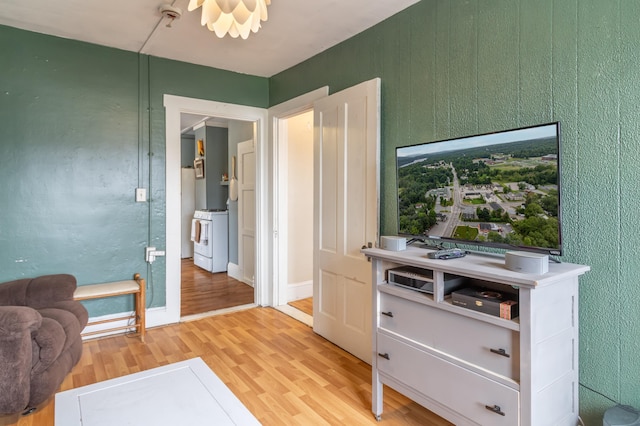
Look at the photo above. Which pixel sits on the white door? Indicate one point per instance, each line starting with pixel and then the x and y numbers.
pixel 346 182
pixel 246 210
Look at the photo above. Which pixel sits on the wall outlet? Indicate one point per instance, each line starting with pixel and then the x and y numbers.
pixel 141 195
pixel 148 254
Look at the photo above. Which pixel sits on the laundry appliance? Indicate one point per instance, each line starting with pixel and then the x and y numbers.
pixel 210 236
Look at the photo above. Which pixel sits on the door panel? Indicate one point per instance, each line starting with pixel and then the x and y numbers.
pixel 246 210
pixel 346 144
pixel 355 197
pixel 329 185
pixel 327 304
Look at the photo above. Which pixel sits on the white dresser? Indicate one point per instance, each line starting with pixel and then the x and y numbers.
pixel 470 367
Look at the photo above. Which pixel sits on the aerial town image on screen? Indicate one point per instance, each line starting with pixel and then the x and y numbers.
pixel 499 188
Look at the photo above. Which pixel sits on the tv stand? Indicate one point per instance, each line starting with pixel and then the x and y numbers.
pixel 470 367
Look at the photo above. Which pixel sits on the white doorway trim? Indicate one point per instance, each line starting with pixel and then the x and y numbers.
pixel 174 106
pixel 278 113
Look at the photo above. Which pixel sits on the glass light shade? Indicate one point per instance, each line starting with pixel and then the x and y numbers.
pixel 233 17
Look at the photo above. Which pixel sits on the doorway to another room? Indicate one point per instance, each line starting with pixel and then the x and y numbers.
pixel 351 115
pixel 295 201
pixel 175 107
pixel 211 277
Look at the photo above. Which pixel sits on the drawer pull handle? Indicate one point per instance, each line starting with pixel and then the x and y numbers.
pixel 500 352
pixel 385 356
pixel 496 409
pixel 389 314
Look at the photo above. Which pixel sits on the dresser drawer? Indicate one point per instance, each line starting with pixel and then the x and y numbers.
pixel 462 390
pixel 486 345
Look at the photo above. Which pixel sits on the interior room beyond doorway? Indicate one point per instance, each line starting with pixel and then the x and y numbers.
pixel 295 183
pixel 207 286
pixel 203 292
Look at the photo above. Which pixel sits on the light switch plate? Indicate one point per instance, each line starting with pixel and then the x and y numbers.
pixel 141 195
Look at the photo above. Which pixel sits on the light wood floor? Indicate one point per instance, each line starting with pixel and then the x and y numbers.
pixel 202 291
pixel 283 372
pixel 304 305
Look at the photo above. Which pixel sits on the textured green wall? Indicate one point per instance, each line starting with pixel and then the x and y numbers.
pixel 81 126
pixel 458 67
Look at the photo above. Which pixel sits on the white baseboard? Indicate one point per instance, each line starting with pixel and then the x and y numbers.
pixel 234 271
pixel 296 314
pixel 300 290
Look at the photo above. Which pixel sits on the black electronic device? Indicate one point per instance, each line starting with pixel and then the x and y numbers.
pixel 493 302
pixel 420 279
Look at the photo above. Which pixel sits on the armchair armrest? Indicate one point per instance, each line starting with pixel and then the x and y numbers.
pixel 16 326
pixel 17 320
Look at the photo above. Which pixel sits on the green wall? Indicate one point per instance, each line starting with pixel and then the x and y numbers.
pixel 459 67
pixel 81 126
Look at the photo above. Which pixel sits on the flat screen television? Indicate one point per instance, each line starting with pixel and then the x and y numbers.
pixel 498 189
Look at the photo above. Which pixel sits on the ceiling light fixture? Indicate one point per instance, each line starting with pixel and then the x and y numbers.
pixel 235 17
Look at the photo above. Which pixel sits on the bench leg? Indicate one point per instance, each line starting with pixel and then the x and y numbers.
pixel 141 306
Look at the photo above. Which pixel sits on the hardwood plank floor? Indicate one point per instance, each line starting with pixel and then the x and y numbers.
pixel 202 291
pixel 283 372
pixel 304 305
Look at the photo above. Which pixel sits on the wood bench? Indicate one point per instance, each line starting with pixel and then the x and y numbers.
pixel 136 286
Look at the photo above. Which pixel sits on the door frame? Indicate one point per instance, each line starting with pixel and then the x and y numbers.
pixel 277 114
pixel 174 107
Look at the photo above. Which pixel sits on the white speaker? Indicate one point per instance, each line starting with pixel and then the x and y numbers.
pixel 526 262
pixel 393 243
pixel 621 415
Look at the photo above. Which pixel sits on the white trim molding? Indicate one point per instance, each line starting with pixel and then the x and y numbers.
pixel 174 106
pixel 280 247
pixel 300 290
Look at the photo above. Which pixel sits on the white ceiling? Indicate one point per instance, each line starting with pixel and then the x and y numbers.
pixel 296 29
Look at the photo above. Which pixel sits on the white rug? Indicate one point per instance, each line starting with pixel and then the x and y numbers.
pixel 184 393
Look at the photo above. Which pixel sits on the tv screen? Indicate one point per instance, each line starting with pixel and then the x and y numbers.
pixel 497 189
